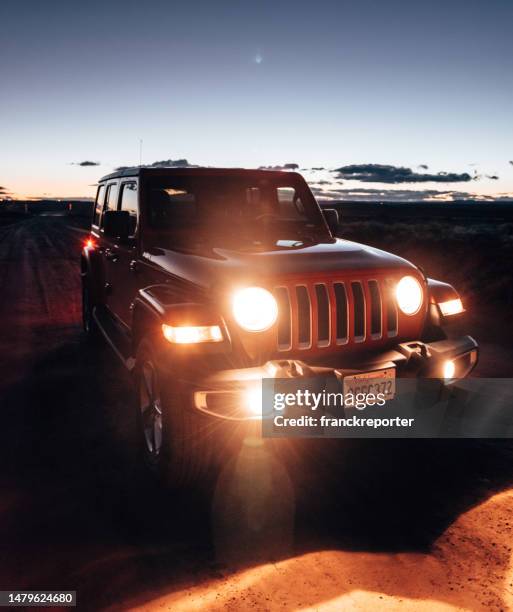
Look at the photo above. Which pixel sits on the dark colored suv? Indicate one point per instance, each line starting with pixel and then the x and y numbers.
pixel 205 281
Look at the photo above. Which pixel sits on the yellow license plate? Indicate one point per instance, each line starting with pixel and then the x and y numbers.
pixel 377 381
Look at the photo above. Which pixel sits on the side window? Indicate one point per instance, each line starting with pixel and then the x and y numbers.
pixel 111 199
pixel 129 203
pixel 98 205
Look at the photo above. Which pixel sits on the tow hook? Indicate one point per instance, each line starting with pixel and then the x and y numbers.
pixel 288 368
pixel 415 351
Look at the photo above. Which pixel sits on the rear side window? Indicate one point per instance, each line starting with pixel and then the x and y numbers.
pixel 99 205
pixel 129 203
pixel 111 199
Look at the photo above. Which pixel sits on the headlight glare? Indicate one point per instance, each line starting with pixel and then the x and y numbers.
pixel 255 309
pixel 409 295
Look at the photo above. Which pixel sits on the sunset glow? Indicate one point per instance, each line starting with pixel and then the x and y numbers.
pixel 224 87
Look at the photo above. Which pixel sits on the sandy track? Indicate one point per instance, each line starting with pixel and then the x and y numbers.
pixel 470 567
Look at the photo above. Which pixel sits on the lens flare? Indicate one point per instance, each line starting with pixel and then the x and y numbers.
pixel 254 401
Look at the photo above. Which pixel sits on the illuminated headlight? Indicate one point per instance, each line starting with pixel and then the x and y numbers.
pixel 451 307
pixel 408 293
pixel 254 309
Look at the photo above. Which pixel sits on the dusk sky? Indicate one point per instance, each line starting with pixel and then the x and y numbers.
pixel 424 86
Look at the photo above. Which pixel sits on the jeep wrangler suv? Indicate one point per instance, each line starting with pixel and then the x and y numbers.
pixel 205 281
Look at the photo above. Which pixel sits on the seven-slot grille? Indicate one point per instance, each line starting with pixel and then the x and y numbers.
pixel 326 314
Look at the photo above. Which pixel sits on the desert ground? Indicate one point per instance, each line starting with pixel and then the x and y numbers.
pixel 388 524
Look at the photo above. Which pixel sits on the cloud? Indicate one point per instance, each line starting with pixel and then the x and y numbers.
pixel 85 164
pixel 400 195
pixel 423 166
pixel 380 173
pixel 511 162
pixel 164 163
pixel 476 176
pixel 289 166
pixel 171 163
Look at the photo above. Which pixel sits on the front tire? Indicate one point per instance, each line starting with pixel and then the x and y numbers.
pixel 169 432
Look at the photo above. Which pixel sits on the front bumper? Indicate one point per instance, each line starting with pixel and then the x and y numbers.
pixel 235 394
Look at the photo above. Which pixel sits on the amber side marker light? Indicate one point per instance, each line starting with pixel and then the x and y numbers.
pixel 451 307
pixel 192 334
pixel 89 243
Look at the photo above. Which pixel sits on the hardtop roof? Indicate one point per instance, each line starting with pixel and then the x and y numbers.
pixel 186 171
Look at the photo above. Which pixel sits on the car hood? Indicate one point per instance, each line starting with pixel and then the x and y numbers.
pixel 208 267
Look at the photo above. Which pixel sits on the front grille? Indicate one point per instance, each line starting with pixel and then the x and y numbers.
pixel 327 314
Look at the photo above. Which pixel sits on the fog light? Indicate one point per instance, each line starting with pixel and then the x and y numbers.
pixel 253 401
pixel 449 369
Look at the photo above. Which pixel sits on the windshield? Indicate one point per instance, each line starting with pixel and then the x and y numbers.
pixel 224 210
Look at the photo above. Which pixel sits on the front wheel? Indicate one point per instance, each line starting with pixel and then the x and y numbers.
pixel 171 446
pixel 149 413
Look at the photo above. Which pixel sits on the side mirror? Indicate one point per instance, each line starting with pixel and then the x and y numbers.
pixel 332 219
pixel 116 224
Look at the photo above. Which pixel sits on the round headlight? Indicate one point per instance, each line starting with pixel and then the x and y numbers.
pixel 254 309
pixel 408 293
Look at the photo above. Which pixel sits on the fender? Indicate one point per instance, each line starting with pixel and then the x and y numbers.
pixel 153 307
pixel 440 292
pixel 92 273
pixel 438 326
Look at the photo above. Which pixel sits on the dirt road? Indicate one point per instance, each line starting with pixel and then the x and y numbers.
pixel 390 524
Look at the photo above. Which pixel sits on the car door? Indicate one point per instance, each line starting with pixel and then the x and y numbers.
pixel 99 278
pixel 122 257
pixel 106 243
